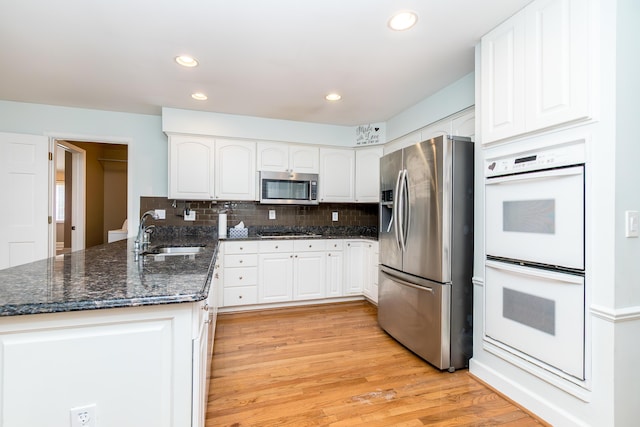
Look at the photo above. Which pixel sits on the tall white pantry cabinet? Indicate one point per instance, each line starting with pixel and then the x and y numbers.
pixel 534 70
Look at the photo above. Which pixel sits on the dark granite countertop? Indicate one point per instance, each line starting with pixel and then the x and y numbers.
pixel 107 276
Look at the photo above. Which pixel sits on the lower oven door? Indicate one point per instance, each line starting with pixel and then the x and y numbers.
pixel 537 217
pixel 537 312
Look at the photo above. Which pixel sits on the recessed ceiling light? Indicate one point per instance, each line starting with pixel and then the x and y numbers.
pixel 333 97
pixel 403 20
pixel 199 96
pixel 186 61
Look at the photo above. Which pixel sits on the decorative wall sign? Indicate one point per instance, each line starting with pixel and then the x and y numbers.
pixel 370 134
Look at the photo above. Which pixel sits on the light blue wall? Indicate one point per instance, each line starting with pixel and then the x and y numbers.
pixel 447 101
pixel 147 150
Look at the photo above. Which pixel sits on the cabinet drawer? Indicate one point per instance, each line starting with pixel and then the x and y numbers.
pixel 243 260
pixel 334 245
pixel 240 276
pixel 275 246
pixel 309 245
pixel 244 247
pixel 241 295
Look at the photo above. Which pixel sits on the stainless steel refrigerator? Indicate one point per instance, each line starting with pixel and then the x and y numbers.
pixel 425 296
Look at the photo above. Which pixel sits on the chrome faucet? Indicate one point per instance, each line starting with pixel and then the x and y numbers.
pixel 142 241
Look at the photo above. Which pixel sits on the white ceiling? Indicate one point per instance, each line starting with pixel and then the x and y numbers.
pixel 265 58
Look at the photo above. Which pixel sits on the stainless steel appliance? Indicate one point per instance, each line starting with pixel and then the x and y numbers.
pixel 426 249
pixel 288 188
pixel 534 278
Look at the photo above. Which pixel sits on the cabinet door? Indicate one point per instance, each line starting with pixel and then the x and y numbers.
pixel 502 80
pixel 304 159
pixel 273 156
pixel 191 163
pixel 356 257
pixel 371 284
pixel 199 378
pixel 309 275
pixel 337 174
pixel 464 125
pixel 367 179
pixel 235 170
pixel 335 273
pixel 275 282
pixel 556 66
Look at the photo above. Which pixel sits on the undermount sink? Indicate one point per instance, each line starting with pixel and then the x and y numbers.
pixel 175 250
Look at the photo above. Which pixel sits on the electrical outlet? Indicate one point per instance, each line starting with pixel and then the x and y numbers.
pixel 272 214
pixel 83 416
pixel 190 216
pixel 334 216
pixel 162 214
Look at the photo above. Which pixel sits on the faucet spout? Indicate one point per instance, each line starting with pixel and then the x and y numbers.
pixel 143 237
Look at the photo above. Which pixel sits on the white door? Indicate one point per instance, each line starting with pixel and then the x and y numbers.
pixel 275 282
pixel 24 171
pixel 308 275
pixel 337 174
pixel 235 170
pixel 367 178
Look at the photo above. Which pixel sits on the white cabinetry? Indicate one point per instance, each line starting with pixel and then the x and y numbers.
pixel 356 257
pixel 191 162
pixel 111 358
pixel 534 69
pixel 371 271
pixel 367 180
pixel 337 175
pixel 309 268
pixel 235 170
pixel 240 278
pixel 335 268
pixel 276 271
pixel 283 157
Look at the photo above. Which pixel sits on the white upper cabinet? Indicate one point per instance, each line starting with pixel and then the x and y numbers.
pixel 191 162
pixel 337 174
pixel 283 157
pixel 367 179
pixel 534 70
pixel 235 170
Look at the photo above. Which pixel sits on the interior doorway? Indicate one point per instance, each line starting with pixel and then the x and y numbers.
pixel 90 196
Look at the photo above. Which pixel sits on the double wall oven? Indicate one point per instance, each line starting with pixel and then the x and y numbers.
pixel 535 247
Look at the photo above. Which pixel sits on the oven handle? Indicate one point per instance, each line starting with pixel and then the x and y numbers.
pixel 536 272
pixel 546 174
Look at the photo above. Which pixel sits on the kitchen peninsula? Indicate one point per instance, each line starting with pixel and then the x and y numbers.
pixel 124 339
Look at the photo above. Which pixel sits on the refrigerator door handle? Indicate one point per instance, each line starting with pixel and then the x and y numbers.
pixel 404 282
pixel 396 208
pixel 400 219
pixel 407 208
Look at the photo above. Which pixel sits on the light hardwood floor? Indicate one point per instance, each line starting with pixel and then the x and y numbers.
pixel 332 365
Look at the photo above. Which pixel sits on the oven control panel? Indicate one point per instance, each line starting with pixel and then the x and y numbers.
pixel 535 160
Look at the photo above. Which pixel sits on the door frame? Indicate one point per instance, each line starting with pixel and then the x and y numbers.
pixel 79 183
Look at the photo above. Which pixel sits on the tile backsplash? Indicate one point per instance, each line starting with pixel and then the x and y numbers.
pixel 254 214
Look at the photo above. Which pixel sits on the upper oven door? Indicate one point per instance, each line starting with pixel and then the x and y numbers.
pixel 537 217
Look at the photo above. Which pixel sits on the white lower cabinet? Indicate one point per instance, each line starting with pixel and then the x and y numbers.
pixel 139 366
pixel 240 277
pixel 309 266
pixel 335 268
pixel 282 271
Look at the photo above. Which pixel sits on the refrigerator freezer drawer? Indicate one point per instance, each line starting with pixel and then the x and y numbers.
pixel 416 315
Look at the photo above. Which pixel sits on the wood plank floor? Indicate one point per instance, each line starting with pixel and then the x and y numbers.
pixel 332 365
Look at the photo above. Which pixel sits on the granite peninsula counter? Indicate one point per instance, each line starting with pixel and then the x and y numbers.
pixel 107 276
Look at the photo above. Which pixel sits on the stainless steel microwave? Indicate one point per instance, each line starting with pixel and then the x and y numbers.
pixel 288 188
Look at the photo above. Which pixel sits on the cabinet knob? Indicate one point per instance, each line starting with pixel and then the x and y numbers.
pixel 328 254
pixel 290 256
pixel 216 276
pixel 276 246
pixel 310 245
pixel 296 256
pixel 241 261
pixel 241 248
pixel 240 278
pixel 205 307
pixel 240 296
